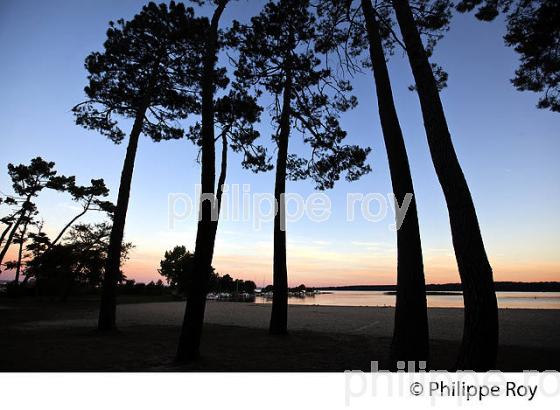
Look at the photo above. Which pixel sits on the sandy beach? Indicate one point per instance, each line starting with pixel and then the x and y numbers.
pixel 323 337
pixel 518 327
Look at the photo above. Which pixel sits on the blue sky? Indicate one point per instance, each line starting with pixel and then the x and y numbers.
pixel 508 150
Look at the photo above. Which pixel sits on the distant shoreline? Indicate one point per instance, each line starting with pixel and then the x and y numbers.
pixel 432 293
pixel 456 287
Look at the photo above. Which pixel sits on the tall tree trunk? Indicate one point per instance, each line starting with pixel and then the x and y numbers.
pixel 20 251
pixel 480 335
pixel 221 182
pixel 14 230
pixel 223 174
pixel 279 314
pixel 410 335
pixel 189 340
pixel 108 307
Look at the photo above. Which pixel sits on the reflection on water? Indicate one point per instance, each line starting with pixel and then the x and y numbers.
pixel 511 300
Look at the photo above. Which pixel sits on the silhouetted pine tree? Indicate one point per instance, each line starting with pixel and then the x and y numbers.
pixel 234 113
pixel 27 182
pixel 411 335
pixel 144 73
pixel 348 29
pixel 480 337
pixel 277 54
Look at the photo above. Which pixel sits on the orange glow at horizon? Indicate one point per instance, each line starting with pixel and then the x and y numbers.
pixel 314 267
pixel 363 271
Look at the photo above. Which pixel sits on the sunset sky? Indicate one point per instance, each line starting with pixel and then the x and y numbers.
pixel 507 147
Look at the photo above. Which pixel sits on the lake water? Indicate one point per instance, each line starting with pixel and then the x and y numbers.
pixel 510 300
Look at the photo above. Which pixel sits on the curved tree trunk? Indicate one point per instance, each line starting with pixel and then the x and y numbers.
pixel 69 224
pixel 189 340
pixel 223 174
pixel 410 336
pixel 12 233
pixel 480 337
pixel 221 182
pixel 20 251
pixel 5 232
pixel 108 307
pixel 279 314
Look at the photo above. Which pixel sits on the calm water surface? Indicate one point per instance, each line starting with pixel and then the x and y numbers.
pixel 510 300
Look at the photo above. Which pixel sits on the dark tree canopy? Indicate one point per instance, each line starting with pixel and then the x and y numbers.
pixel 235 110
pixel 177 268
pixel 533 30
pixel 38 241
pixel 90 195
pixel 343 31
pixel 26 229
pixel 150 63
pixel 280 42
pixel 29 180
pixel 78 260
pixel 487 10
pixel 155 62
pixel 235 114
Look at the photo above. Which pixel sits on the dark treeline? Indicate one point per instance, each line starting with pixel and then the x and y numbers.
pixel 177 267
pixel 295 289
pixel 295 61
pixel 499 286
